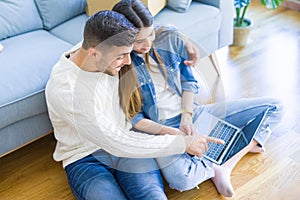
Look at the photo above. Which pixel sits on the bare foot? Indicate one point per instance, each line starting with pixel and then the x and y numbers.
pixel 222 180
pixel 257 149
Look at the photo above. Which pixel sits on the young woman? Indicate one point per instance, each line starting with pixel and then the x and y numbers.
pixel 157 95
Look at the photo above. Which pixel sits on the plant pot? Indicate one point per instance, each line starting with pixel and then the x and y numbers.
pixel 240 34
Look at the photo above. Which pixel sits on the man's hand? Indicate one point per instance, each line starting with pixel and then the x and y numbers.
pixel 193 52
pixel 197 145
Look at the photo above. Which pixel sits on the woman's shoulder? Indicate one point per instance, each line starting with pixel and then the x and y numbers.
pixel 168 38
pixel 165 29
pixel 166 32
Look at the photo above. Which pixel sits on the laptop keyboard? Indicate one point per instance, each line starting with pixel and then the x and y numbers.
pixel 221 131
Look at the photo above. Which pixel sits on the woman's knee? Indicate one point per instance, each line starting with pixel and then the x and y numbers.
pixel 188 177
pixel 185 182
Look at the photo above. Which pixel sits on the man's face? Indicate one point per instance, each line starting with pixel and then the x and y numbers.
pixel 113 59
pixel 144 40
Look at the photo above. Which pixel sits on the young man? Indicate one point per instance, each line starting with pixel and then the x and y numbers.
pixel 90 127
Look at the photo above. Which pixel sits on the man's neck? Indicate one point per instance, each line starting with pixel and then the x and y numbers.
pixel 81 59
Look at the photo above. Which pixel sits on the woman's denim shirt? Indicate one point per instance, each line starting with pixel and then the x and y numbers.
pixel 179 78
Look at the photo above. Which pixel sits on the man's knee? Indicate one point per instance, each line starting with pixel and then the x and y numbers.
pixel 147 185
pixel 150 191
pixel 99 188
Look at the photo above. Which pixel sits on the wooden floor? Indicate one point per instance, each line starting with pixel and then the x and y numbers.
pixel 268 66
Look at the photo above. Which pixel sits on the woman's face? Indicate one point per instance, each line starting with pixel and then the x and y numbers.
pixel 144 40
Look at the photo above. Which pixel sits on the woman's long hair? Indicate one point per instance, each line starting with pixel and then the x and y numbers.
pixel 129 90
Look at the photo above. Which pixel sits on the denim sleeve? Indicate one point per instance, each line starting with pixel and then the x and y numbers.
pixel 170 39
pixel 188 81
pixel 136 119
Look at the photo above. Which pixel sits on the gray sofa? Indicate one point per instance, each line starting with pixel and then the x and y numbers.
pixel 34 33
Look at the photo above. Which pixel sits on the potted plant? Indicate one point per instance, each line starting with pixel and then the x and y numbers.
pixel 242 25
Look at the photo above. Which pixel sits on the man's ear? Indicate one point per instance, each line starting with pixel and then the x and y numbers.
pixel 95 53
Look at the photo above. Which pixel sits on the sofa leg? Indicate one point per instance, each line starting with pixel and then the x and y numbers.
pixel 214 61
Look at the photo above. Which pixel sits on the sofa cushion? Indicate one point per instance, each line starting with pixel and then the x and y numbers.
pixel 179 5
pixel 17 17
pixel 25 131
pixel 26 63
pixel 55 12
pixel 71 30
pixel 201 21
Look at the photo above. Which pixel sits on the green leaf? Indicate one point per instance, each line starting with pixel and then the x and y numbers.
pixel 241 3
pixel 271 4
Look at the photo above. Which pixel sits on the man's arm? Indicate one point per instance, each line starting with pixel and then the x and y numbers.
pixel 92 119
pixel 192 51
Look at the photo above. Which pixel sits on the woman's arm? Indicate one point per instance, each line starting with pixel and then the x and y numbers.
pixel 149 126
pixel 186 123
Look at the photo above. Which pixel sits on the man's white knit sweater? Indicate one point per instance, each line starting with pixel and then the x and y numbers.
pixel 85 113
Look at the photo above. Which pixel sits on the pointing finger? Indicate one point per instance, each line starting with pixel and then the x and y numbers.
pixel 214 140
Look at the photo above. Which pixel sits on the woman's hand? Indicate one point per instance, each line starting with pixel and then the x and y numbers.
pixel 186 124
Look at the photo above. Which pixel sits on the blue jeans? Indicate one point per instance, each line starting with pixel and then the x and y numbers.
pixel 104 176
pixel 184 172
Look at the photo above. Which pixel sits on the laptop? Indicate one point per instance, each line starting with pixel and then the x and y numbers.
pixel 235 138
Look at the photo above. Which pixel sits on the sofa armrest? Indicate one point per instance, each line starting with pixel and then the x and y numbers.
pixel 226 29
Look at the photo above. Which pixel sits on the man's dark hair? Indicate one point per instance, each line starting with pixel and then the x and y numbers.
pixel 108 27
pixel 136 12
